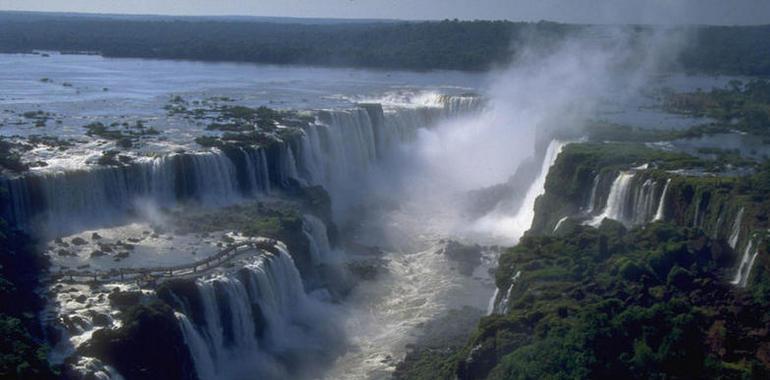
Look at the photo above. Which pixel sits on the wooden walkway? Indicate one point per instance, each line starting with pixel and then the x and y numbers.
pixel 150 273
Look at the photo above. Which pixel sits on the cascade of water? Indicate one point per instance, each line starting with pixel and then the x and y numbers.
pixel 500 223
pixel 312 157
pixel 514 227
pixel 262 301
pixel 735 231
pixel 502 307
pixel 315 231
pixel 717 228
pixel 213 330
pixel 696 213
pixel 523 219
pixel 454 105
pixel 215 178
pixel 744 268
pixel 745 279
pixel 558 224
pixel 491 307
pixel 592 199
pixel 659 214
pixel 616 200
pixel 643 203
pixel 340 146
pixel 204 366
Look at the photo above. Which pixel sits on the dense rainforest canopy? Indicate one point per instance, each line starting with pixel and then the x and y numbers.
pixel 457 45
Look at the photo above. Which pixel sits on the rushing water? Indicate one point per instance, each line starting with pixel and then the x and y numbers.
pixel 342 150
pixel 633 200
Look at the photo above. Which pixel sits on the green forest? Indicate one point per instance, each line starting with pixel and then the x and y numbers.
pixel 448 44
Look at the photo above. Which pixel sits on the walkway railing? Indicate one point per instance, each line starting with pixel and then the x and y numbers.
pixel 126 274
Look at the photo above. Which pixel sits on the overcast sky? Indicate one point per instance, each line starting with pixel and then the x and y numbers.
pixel 579 11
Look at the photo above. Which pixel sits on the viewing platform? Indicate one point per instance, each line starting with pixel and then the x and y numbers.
pixel 151 274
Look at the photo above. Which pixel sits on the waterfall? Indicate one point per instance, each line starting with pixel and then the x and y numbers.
pixel 659 214
pixel 515 226
pixel 631 201
pixel 259 311
pixel 747 262
pixel 643 203
pixel 558 224
pixel 745 279
pixel 318 238
pixel 199 351
pixel 502 306
pixel 491 307
pixel 215 180
pixel 735 231
pixel 616 200
pixel 592 199
pixel 340 146
pixel 696 212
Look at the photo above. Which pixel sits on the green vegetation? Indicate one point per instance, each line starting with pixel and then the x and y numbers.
pixel 570 180
pixel 744 107
pixel 611 303
pixel 23 355
pixel 39 117
pixel 616 132
pixel 113 158
pixel 250 127
pixel 448 44
pixel 125 136
pixel 257 219
pixel 280 220
pixel 652 302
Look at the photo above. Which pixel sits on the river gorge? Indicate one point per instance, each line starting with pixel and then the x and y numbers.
pixel 218 220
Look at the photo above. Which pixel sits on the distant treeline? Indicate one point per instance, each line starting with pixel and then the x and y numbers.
pixel 459 45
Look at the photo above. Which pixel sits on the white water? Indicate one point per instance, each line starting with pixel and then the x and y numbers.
pixel 320 249
pixel 697 212
pixel 502 306
pixel 735 231
pixel 659 214
pixel 292 323
pixel 558 224
pixel 510 228
pixel 616 200
pixel 204 366
pixel 334 152
pixel 745 279
pixel 643 203
pixel 744 268
pixel 632 203
pixel 419 284
pixel 592 199
pixel 493 301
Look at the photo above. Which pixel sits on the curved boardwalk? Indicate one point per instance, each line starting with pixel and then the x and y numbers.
pixel 149 273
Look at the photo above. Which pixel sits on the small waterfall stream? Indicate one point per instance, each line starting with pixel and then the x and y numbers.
pixel 592 198
pixel 743 271
pixel 632 201
pixel 735 231
pixel 660 213
pixel 616 200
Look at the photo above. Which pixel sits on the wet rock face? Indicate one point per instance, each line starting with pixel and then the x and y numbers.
pixel 468 257
pixel 150 345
